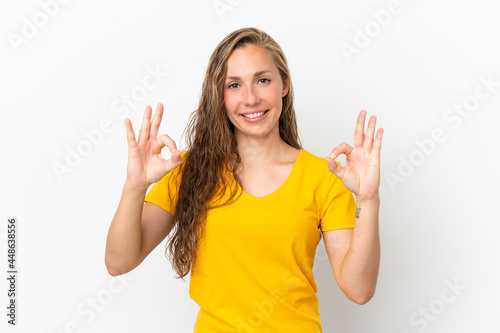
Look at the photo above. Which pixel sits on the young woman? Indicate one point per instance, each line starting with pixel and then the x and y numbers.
pixel 247 205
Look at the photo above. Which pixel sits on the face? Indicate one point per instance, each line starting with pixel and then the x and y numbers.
pixel 253 93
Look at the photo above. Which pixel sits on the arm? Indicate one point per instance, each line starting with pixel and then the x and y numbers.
pixel 354 254
pixel 138 227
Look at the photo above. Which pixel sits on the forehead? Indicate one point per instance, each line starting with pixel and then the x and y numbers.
pixel 248 60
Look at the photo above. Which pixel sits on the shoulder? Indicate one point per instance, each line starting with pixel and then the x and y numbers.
pixel 310 157
pixel 316 167
pixel 314 159
pixel 311 167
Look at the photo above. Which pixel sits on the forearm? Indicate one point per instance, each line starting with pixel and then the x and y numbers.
pixel 123 244
pixel 360 266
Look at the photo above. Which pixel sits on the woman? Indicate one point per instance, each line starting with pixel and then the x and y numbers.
pixel 250 205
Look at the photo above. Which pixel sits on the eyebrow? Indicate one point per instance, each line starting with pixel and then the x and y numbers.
pixel 256 74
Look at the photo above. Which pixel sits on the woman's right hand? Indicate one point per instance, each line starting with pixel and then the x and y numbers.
pixel 145 163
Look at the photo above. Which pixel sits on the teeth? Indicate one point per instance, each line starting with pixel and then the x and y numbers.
pixel 254 115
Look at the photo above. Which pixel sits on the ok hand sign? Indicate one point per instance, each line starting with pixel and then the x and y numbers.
pixel 145 163
pixel 361 175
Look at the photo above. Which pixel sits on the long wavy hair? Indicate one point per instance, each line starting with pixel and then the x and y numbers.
pixel 206 172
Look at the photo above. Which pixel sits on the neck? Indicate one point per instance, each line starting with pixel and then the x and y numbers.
pixel 261 150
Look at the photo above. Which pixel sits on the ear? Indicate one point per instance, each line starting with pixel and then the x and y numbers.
pixel 286 86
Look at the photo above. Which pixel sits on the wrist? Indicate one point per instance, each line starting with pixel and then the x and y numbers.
pixel 371 200
pixel 127 187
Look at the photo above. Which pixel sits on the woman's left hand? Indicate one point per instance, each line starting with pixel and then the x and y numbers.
pixel 361 175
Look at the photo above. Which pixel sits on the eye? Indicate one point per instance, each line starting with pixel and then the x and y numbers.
pixel 265 80
pixel 233 86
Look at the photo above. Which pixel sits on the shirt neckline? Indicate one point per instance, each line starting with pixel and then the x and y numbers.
pixel 287 180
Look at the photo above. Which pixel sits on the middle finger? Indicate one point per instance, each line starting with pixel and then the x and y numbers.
pixel 144 131
pixel 155 124
pixel 359 131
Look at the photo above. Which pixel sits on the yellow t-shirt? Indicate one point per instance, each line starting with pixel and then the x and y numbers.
pixel 253 271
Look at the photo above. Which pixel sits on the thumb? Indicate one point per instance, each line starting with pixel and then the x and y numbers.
pixel 176 157
pixel 174 161
pixel 334 166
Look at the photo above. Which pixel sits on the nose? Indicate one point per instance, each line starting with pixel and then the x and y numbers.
pixel 251 97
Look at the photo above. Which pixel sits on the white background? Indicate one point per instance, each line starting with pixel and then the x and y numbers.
pixel 438 220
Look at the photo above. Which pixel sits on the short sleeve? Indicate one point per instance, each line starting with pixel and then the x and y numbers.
pixel 163 193
pixel 339 208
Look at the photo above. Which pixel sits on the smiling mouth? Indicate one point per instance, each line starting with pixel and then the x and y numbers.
pixel 255 115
